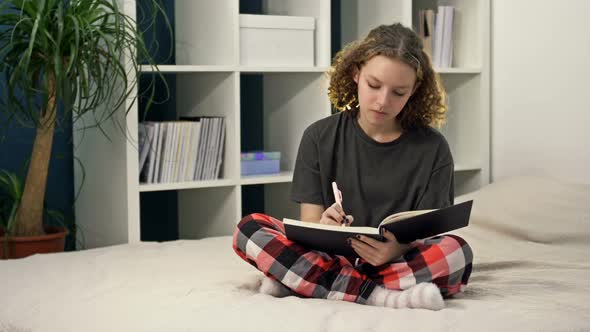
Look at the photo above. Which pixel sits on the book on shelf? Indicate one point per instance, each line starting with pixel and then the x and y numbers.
pixel 436 32
pixel 210 147
pixel 446 59
pixel 161 130
pixel 169 160
pixel 167 142
pixel 212 139
pixel 145 140
pixel 407 226
pixel 201 146
pixel 220 150
pixel 260 155
pixel 426 29
pixel 190 149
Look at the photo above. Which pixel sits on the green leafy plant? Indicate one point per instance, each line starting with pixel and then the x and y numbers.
pixel 73 54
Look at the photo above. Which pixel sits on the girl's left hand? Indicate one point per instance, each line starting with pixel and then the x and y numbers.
pixel 376 252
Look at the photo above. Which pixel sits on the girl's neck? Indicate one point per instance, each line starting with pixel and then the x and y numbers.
pixel 383 134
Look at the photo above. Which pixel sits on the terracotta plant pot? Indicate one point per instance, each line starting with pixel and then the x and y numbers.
pixel 19 247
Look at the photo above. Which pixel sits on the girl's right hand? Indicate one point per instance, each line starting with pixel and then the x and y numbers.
pixel 334 215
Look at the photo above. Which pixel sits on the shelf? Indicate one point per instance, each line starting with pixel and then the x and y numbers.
pixel 282 69
pixel 282 177
pixel 186 185
pixel 458 70
pixel 229 68
pixel 267 178
pixel 467 167
pixel 187 69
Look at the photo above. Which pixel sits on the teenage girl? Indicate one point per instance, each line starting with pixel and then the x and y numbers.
pixel 386 157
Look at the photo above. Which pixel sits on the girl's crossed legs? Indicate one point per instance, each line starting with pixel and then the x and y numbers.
pixel 444 261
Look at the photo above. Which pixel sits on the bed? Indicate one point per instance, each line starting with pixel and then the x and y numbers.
pixel 530 236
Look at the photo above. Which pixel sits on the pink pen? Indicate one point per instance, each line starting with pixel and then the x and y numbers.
pixel 337 196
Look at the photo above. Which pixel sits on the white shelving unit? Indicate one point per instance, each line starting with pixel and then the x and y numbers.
pixel 208 75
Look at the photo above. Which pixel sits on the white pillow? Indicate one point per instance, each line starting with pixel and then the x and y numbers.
pixel 533 208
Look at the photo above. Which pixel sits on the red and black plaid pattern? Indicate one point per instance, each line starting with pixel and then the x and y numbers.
pixel 260 240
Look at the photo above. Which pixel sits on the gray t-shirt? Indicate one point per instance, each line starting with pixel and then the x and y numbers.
pixel 376 179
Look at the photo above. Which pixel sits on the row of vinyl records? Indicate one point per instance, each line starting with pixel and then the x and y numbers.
pixel 176 151
pixel 436 31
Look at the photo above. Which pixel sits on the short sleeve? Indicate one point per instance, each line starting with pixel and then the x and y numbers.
pixel 306 186
pixel 440 190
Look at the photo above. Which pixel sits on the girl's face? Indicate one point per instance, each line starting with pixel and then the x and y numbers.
pixel 384 87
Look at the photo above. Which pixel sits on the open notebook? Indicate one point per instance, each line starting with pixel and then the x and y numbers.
pixel 407 226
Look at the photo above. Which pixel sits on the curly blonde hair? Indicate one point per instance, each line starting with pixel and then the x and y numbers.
pixel 427 106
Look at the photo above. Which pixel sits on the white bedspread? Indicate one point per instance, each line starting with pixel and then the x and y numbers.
pixel 530 237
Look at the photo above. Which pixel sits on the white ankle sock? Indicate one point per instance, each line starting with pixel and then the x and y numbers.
pixel 420 296
pixel 274 288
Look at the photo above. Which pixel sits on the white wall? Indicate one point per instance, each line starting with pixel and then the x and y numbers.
pixel 541 88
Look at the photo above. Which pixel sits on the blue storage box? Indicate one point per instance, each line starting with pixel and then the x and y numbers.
pixel 258 162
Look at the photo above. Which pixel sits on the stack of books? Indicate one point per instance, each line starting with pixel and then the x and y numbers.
pixel 177 151
pixel 260 162
pixel 436 31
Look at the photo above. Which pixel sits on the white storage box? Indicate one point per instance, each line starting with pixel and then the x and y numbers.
pixel 270 40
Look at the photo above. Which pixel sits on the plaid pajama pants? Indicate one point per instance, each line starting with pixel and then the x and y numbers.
pixel 260 240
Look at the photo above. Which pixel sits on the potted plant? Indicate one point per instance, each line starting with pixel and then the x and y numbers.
pixel 68 54
pixel 11 189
